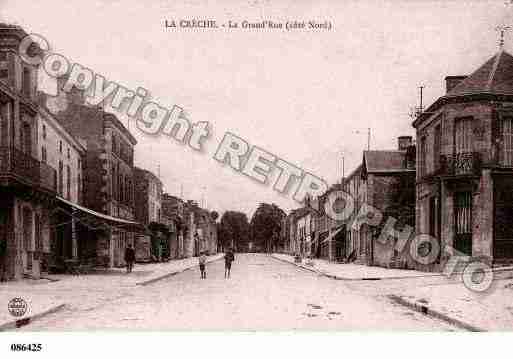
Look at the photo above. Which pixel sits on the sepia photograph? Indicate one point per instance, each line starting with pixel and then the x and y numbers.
pixel 248 175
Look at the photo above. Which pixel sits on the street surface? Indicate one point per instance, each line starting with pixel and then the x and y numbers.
pixel 262 294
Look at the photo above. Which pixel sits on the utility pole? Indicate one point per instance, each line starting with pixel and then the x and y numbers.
pixel 343 171
pixel 368 138
pixel 502 32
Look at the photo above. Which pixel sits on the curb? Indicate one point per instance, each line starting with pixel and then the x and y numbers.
pixel 24 321
pixel 170 274
pixel 298 266
pixel 335 277
pixel 424 309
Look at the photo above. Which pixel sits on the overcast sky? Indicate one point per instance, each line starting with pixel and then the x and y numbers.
pixel 300 95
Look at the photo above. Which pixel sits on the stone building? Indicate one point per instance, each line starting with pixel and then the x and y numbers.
pixel 305 231
pixel 108 174
pixel 353 185
pixel 27 186
pixel 173 212
pixel 464 181
pixel 384 181
pixel 201 231
pixel 64 154
pixel 330 233
pixel 148 203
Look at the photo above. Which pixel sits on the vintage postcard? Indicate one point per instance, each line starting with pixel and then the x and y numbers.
pixel 261 166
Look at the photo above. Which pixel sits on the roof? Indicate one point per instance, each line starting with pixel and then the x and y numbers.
pixel 148 173
pixel 494 76
pixel 384 161
pixel 50 119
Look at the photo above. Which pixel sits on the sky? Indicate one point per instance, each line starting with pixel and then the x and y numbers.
pixel 307 97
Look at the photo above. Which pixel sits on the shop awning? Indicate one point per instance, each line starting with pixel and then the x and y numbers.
pixel 333 234
pixel 88 215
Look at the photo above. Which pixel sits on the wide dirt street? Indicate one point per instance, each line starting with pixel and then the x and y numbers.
pixel 262 294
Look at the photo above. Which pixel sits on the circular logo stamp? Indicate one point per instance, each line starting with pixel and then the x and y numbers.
pixel 17 307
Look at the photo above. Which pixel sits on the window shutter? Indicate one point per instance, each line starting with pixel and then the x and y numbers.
pixel 496 137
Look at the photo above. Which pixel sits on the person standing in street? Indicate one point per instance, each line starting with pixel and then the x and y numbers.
pixel 129 258
pixel 228 259
pixel 202 262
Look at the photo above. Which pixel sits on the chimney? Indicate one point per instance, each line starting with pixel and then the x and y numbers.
pixel 404 142
pixel 452 81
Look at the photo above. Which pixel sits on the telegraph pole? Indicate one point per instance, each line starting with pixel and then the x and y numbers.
pixel 502 32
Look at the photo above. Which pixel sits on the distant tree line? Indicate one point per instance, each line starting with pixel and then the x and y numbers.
pixel 261 234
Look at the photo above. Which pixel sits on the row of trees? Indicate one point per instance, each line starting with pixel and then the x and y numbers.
pixel 261 234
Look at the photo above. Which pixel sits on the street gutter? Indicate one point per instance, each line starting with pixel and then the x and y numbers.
pixel 424 309
pixel 18 323
pixel 170 274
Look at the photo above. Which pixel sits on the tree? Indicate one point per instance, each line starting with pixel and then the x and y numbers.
pixel 214 215
pixel 233 230
pixel 266 226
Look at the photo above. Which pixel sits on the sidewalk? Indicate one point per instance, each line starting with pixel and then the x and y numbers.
pixel 86 292
pixel 349 271
pixel 492 310
pixel 446 298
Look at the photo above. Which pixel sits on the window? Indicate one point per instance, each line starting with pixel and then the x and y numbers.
pixel 44 132
pixel 60 146
pixel 422 157
pixel 114 144
pixel 69 154
pixel 507 141
pixel 60 188
pixel 121 188
pixel 68 181
pixel 26 81
pixel 463 135
pixel 79 188
pixel 463 212
pixel 4 74
pixel 114 177
pixel 437 146
pixel 26 138
pixel 43 154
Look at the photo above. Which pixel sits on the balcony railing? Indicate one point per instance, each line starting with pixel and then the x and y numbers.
pixel 26 169
pixel 459 164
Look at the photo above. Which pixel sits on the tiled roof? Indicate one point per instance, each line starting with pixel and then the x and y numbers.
pixel 494 76
pixel 379 161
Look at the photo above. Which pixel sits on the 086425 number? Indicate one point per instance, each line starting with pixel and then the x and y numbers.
pixel 26 347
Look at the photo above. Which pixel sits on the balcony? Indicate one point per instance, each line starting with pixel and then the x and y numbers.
pixel 23 169
pixel 460 164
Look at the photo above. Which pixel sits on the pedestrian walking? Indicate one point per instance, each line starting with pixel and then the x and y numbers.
pixel 202 261
pixel 229 257
pixel 129 258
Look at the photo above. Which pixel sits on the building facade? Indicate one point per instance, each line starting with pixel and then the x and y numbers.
pixel 148 204
pixel 173 212
pixel 464 181
pixel 108 186
pixel 64 154
pixel 27 185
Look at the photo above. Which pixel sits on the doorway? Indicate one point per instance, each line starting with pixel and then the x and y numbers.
pixel 463 223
